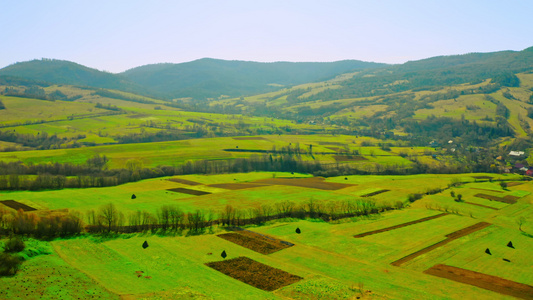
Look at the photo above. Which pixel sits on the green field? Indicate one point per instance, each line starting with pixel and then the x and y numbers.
pixel 332 263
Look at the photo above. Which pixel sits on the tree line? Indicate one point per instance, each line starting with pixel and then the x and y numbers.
pixel 110 219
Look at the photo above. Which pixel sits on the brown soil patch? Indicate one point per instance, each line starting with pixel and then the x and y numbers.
pixel 189 191
pixel 507 199
pixel 374 193
pixel 514 183
pixel 237 186
pixel 494 191
pixel 484 281
pixel 17 205
pixel 399 226
pixel 251 138
pixel 184 181
pixel 449 237
pixel 255 273
pixel 311 182
pixel 348 157
pixel 255 241
pixel 485 206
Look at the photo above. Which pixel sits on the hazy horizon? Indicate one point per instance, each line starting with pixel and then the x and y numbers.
pixel 120 35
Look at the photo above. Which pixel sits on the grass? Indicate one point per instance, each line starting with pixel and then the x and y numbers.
pixel 332 263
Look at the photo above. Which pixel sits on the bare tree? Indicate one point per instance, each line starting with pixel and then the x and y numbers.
pixel 109 215
pixel 520 221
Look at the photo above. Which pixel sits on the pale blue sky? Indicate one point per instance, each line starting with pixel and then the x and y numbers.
pixel 117 35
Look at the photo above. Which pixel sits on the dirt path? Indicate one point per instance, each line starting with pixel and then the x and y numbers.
pixel 484 281
pixel 449 237
pixel 399 226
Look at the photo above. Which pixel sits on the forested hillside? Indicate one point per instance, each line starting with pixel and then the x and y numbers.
pixel 211 78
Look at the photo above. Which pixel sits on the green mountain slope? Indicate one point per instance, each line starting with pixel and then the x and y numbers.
pixel 213 77
pixel 66 72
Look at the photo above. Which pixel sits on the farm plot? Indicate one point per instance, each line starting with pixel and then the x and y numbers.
pixel 167 265
pixel 399 226
pixel 509 199
pixel 17 205
pixel 189 191
pixel 184 181
pixel 43 275
pixel 375 193
pixel 236 186
pixel 254 273
pixel 449 237
pixel 484 281
pixel 255 241
pixel 312 182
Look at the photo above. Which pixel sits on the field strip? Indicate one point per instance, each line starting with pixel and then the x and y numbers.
pixel 255 273
pixel 189 191
pixel 17 205
pixel 399 226
pixel 374 193
pixel 489 190
pixel 449 237
pixel 237 186
pixel 64 257
pixel 506 199
pixel 184 181
pixel 481 205
pixel 255 241
pixel 484 281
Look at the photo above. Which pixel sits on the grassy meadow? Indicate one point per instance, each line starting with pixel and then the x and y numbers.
pixel 332 263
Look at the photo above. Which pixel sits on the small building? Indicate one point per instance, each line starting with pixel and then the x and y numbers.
pixel 516 153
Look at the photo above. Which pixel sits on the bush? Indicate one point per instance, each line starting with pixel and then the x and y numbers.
pixel 9 264
pixel 14 244
pixel 413 197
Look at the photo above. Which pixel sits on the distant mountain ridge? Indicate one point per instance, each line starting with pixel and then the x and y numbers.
pixel 212 78
pixel 65 72
pixel 197 79
pixel 209 77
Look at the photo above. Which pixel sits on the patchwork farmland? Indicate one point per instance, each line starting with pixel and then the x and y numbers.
pixel 399 253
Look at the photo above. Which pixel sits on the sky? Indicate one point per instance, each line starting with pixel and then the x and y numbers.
pixel 116 35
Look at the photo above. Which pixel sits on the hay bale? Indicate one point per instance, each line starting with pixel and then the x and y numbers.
pixel 298 231
pixel 510 244
pixel 133 196
pixel 145 245
pixel 223 254
pixel 488 251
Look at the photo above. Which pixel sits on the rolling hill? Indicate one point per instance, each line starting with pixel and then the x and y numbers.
pixel 209 78
pixel 65 72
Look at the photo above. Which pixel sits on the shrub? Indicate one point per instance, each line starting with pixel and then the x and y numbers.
pixel 9 264
pixel 413 197
pixel 14 244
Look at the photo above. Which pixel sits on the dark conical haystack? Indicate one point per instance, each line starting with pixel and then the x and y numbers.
pixel 223 254
pixel 133 196
pixel 510 245
pixel 298 231
pixel 488 251
pixel 145 245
